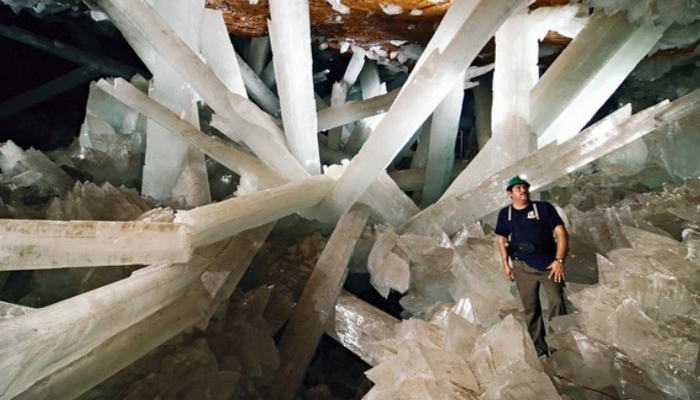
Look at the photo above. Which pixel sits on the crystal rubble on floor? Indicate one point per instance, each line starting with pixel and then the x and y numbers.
pixel 90 202
pixel 111 141
pixel 300 338
pixel 592 67
pixel 33 170
pixel 290 36
pixel 412 106
pixel 639 323
pixel 180 367
pixel 387 270
pixel 665 212
pixel 480 366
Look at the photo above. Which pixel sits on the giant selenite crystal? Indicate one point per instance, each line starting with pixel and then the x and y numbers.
pixel 290 36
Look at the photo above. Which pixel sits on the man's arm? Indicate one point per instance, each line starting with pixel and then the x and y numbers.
pixel 504 257
pixel 557 268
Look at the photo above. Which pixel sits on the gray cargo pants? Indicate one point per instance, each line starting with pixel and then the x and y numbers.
pixel 528 281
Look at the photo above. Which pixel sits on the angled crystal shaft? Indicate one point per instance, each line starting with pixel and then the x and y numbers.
pixel 39 343
pixel 586 73
pixel 135 341
pixel 426 87
pixel 37 244
pixel 229 154
pixel 218 221
pixel 541 167
pixel 306 325
pixel 290 36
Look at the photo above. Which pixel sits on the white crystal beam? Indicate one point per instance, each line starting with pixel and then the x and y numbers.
pixel 355 110
pixel 541 168
pixel 257 89
pixel 411 180
pixel 37 244
pixel 441 150
pixel 39 343
pixel 172 168
pixel 298 343
pixel 356 325
pixel 426 87
pixel 137 340
pixel 237 117
pixel 216 47
pixel 586 73
pixel 258 53
pixel 290 36
pixel 228 154
pixel 244 121
pixel 515 74
pixel 217 221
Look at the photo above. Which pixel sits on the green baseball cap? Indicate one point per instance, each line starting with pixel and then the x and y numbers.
pixel 516 180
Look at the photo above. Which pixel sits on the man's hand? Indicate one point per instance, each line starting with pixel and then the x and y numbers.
pixel 556 271
pixel 509 273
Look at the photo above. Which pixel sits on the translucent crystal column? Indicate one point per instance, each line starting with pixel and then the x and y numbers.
pixel 229 154
pixel 290 36
pixel 298 343
pixel 355 110
pixel 240 118
pixel 515 74
pixel 586 73
pixel 356 325
pixel 41 342
pixel 258 53
pixel 218 221
pixel 258 90
pixel 441 151
pixel 371 87
pixel 216 47
pixel 37 244
pixel 133 342
pixel 426 87
pixel 540 168
pixel 168 158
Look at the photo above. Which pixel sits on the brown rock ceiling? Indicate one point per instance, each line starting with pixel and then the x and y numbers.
pixel 365 25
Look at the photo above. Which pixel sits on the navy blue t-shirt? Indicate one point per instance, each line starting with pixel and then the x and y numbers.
pixel 525 227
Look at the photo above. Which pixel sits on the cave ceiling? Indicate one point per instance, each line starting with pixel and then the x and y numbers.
pixel 364 23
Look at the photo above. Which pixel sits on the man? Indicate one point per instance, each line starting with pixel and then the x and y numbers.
pixel 526 231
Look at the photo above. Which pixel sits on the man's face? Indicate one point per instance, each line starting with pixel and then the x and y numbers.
pixel 519 193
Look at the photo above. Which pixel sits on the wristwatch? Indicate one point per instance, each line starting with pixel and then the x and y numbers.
pixel 559 260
